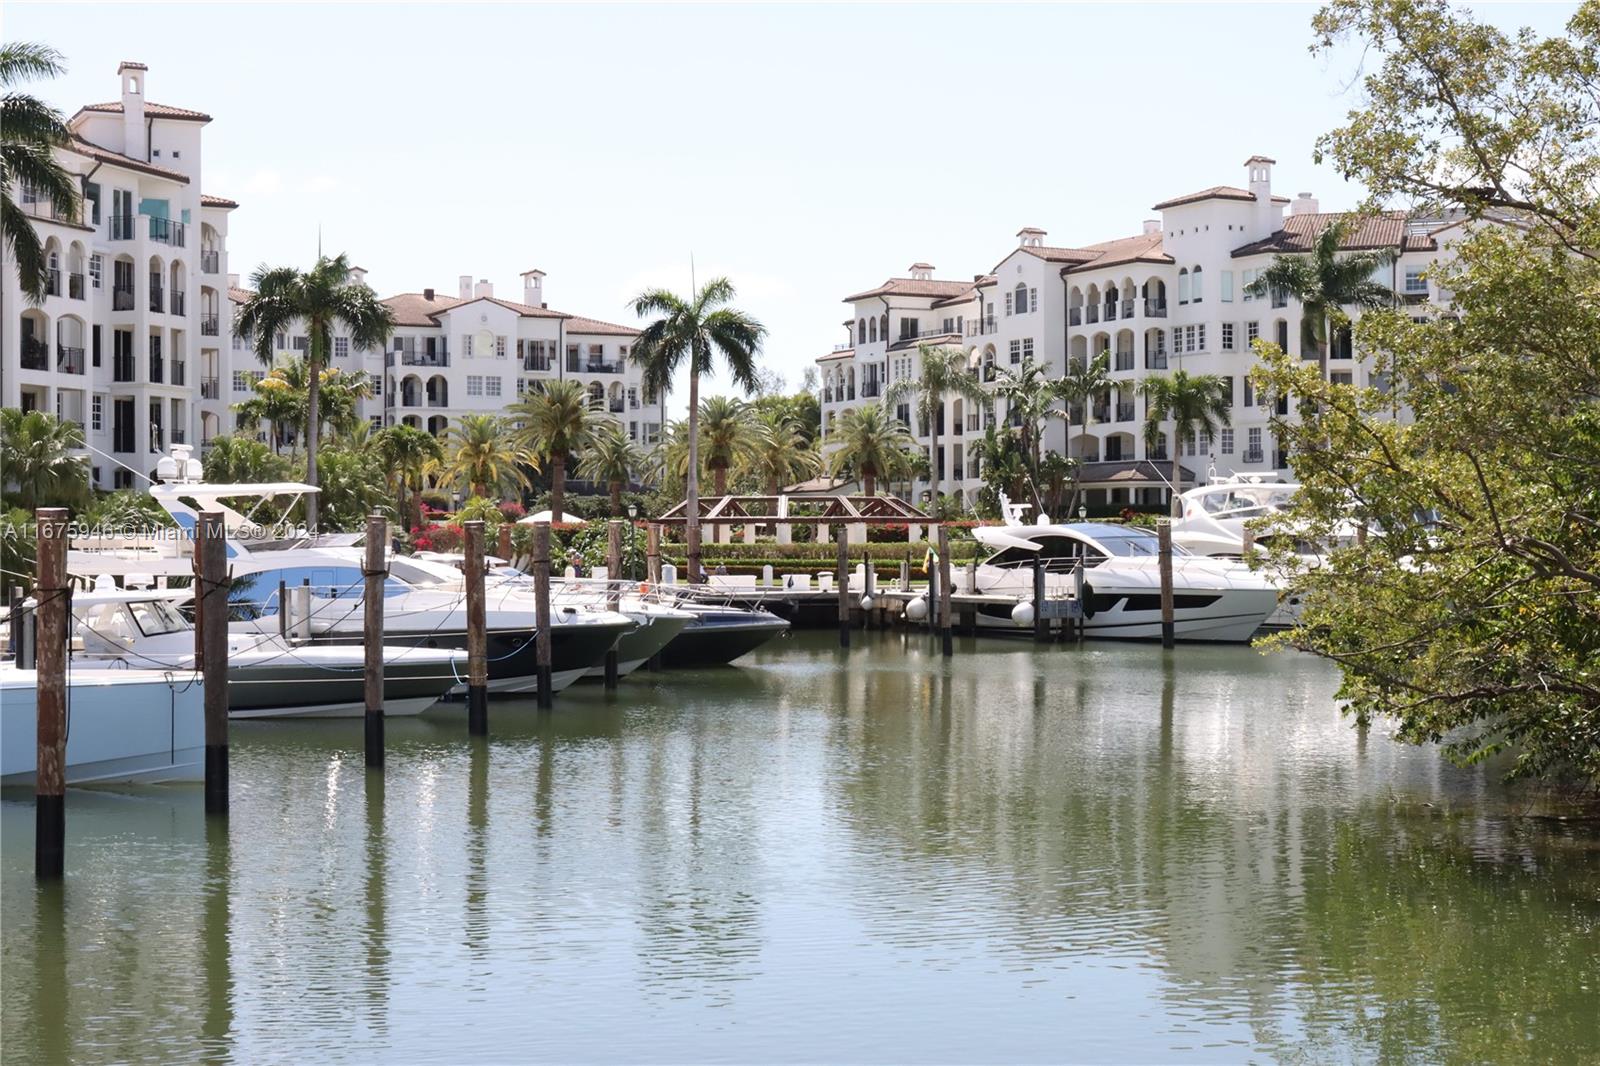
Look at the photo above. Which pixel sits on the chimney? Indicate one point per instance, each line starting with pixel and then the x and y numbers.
pixel 1268 218
pixel 533 287
pixel 427 294
pixel 484 288
pixel 233 281
pixel 465 281
pixel 1304 204
pixel 135 140
pixel 921 271
pixel 1030 237
pixel 1152 226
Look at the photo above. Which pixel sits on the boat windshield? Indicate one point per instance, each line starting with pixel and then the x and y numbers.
pixel 1128 541
pixel 155 617
pixel 1246 501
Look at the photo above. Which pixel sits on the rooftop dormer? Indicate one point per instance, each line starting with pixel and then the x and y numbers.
pixel 1030 237
pixel 921 271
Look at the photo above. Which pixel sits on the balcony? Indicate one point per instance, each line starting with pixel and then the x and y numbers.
pixel 75 286
pixel 1075 316
pixel 593 366
pixel 536 363
pixel 122 299
pixel 178 372
pixel 157 374
pixel 122 227
pixel 1280 298
pixel 1252 455
pixel 210 262
pixel 1111 311
pixel 210 325
pixel 871 390
pixel 1125 411
pixel 122 368
pixel 1160 454
pixel 434 401
pixel 1102 412
pixel 979 327
pixel 156 302
pixel 1155 360
pixel 1127 308
pixel 1091 313
pixel 69 360
pixel 52 283
pixel 210 389
pixel 1125 360
pixel 180 436
pixel 408 357
pixel 615 407
pixel 177 301
pixel 167 231
pixel 35 354
pixel 1155 309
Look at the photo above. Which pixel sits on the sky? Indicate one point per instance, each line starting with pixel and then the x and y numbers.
pixel 805 152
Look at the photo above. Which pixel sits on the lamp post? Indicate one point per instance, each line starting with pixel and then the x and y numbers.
pixel 633 534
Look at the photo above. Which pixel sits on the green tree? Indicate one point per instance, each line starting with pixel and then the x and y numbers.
pixel 237 460
pixel 1196 403
pixel 1005 471
pixel 1084 380
pixel 870 443
pixel 727 438
pixel 30 133
pixel 801 409
pixel 694 331
pixel 408 453
pixel 317 299
pixel 556 423
pixel 481 457
pixel 612 460
pixel 355 484
pixel 42 462
pixel 1326 282
pixel 1470 614
pixel 781 453
pixel 275 401
pixel 941 374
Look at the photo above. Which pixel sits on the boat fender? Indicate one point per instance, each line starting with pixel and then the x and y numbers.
pixel 1088 600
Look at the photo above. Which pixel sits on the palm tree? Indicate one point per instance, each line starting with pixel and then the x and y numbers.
pixel 353 486
pixel 781 454
pixel 1084 380
pixel 30 132
pixel 727 438
pixel 480 455
pixel 37 456
pixel 238 460
pixel 872 443
pixel 556 422
pixel 1326 283
pixel 276 402
pixel 695 331
pixel 1196 403
pixel 318 299
pixel 943 373
pixel 408 453
pixel 1004 468
pixel 612 460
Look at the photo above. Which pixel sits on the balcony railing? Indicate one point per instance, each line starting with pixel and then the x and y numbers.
pixel 1155 360
pixel 210 389
pixel 1075 316
pixel 122 227
pixel 1125 411
pixel 1127 308
pixel 75 286
pixel 437 401
pixel 156 303
pixel 1111 311
pixel 156 370
pixel 35 354
pixel 1125 360
pixel 177 372
pixel 424 358
pixel 52 283
pixel 1155 309
pixel 1102 412
pixel 122 299
pixel 1252 455
pixel 1091 313
pixel 593 366
pixel 980 326
pixel 538 363
pixel 122 368
pixel 871 390
pixel 1280 298
pixel 69 360
pixel 180 436
pixel 167 231
pixel 210 325
pixel 210 262
pixel 1160 454
pixel 616 407
pixel 177 301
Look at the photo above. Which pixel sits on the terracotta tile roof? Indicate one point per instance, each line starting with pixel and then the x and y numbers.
pixel 1140 248
pixel 842 354
pixel 579 324
pixel 207 200
pixel 238 295
pixel 1299 234
pixel 1049 255
pixel 151 110
pixel 525 310
pixel 913 287
pixel 415 309
pixel 971 293
pixel 105 155
pixel 1216 192
pixel 130 64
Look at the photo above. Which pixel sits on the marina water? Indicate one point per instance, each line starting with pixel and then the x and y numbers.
pixel 1020 854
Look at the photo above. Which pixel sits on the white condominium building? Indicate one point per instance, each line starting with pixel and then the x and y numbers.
pixel 1172 296
pixel 131 337
pixel 475 353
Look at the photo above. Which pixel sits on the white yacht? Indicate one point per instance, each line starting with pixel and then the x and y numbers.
pixel 1213 599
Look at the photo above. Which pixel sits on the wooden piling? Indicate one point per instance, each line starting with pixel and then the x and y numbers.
pixel 905 575
pixel 614 600
pixel 946 636
pixel 213 599
pixel 283 610
pixel 14 630
pixel 1249 544
pixel 1041 624
pixel 652 553
pixel 50 770
pixel 542 617
pixel 1164 542
pixel 503 542
pixel 844 585
pixel 477 632
pixel 372 637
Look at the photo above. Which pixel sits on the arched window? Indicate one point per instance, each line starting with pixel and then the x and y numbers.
pixel 861 331
pixel 1195 291
pixel 1183 286
pixel 883 326
pixel 873 329
pixel 1019 299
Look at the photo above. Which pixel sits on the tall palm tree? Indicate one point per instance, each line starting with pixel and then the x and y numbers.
pixel 277 402
pixel 1083 381
pixel 30 132
pixel 1196 403
pixel 695 330
pixel 612 460
pixel 38 454
pixel 871 443
pixel 781 454
pixel 556 422
pixel 1325 283
pixel 727 438
pixel 942 374
pixel 480 455
pixel 408 453
pixel 318 299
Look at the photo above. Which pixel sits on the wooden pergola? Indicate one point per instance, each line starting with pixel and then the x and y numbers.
pixel 854 512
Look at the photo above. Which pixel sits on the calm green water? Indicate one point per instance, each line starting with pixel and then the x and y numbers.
pixel 1060 854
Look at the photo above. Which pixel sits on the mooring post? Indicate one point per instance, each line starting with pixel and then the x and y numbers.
pixel 1164 544
pixel 1249 544
pixel 945 634
pixel 213 600
pixel 283 610
pixel 372 637
pixel 477 632
pixel 905 575
pixel 652 553
pixel 14 630
pixel 503 542
pixel 866 588
pixel 844 585
pixel 613 579
pixel 1083 606
pixel 50 650
pixel 198 585
pixel 542 616
pixel 1041 624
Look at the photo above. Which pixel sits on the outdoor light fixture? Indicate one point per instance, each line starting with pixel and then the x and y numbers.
pixel 1083 512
